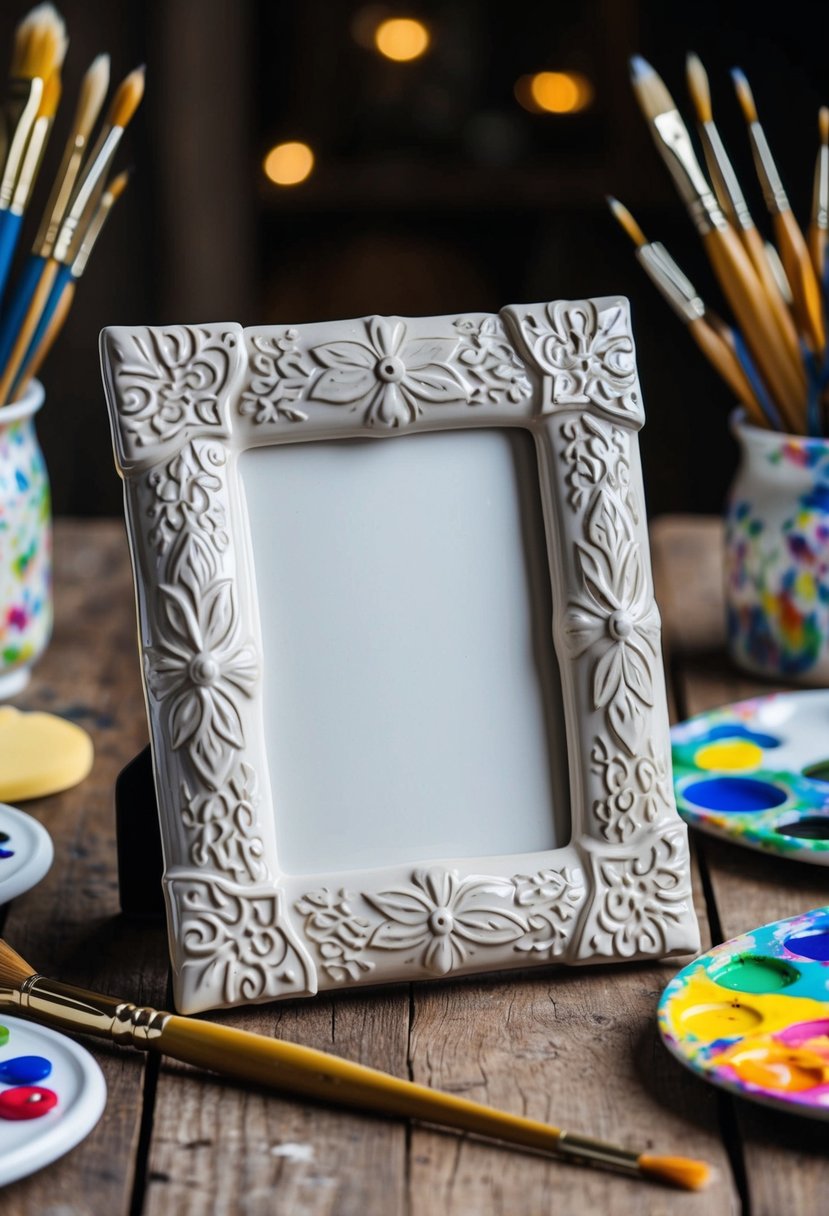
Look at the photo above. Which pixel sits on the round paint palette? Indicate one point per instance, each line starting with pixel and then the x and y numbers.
pixel 752 1015
pixel 52 1093
pixel 757 772
pixel 25 852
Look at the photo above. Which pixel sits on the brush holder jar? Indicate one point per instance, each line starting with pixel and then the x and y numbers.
pixel 777 555
pixel 25 543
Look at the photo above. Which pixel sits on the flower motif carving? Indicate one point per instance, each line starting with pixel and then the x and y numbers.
pixel 237 941
pixel 490 364
pixel 636 790
pixel 279 375
pixel 441 920
pixel 201 666
pixel 187 500
pixel 223 828
pixel 171 382
pixel 387 378
pixel 587 354
pixel 642 899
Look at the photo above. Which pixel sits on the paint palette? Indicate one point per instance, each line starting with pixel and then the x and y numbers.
pixel 757 773
pixel 52 1093
pixel 752 1015
pixel 25 852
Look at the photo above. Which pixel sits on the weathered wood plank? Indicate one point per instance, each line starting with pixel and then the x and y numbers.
pixel 785 1156
pixel 69 926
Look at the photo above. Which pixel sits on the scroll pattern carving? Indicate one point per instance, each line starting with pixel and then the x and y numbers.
pixel 441 920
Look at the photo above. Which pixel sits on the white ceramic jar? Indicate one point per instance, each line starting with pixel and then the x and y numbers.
pixel 777 555
pixel 25 543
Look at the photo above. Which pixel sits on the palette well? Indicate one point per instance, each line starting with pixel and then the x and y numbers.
pixel 52 1093
pixel 25 852
pixel 752 1015
pixel 757 773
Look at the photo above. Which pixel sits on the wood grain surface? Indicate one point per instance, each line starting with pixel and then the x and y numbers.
pixel 577 1047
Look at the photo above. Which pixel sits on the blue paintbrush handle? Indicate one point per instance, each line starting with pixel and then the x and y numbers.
pixel 12 317
pixel 10 225
pixel 61 279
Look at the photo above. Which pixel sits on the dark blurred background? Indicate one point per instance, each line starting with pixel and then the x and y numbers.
pixel 434 189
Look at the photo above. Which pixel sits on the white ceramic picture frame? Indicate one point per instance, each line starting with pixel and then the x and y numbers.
pixel 186 404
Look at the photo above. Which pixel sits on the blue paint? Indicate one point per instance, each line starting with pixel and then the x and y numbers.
pixel 24 1070
pixel 740 732
pixel 810 945
pixel 5 852
pixel 734 794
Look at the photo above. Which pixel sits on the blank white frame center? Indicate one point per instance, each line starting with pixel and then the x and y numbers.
pixel 408 648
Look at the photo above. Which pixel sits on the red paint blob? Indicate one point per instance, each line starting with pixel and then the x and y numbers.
pixel 26 1102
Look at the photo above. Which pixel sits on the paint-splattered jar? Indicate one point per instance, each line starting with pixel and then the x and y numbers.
pixel 25 543
pixel 777 555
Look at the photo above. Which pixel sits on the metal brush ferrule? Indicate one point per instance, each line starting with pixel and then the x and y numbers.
pixel 22 124
pixel 820 197
pixel 583 1148
pixel 59 199
pixel 75 1009
pixel 91 235
pixel 770 180
pixel 86 197
pixel 670 281
pixel 726 185
pixel 691 182
pixel 31 164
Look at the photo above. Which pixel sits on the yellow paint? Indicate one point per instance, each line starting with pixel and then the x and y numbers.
pixel 40 754
pixel 733 755
pixel 708 1011
pixel 401 39
pixel 289 164
pixel 805 587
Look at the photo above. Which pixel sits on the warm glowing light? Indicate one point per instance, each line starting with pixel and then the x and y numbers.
pixel 554 92
pixel 289 164
pixel 401 38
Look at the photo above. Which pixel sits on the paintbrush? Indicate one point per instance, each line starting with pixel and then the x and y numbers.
pixel 686 302
pixel 819 226
pixel 732 200
pixel 39 47
pixel 291 1068
pixel 795 256
pixel 730 262
pixel 78 216
pixel 92 93
pixel 63 289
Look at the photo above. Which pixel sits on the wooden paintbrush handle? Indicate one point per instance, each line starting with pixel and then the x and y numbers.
pixel 724 361
pixel 744 293
pixel 801 275
pixel 292 1069
pixel 756 250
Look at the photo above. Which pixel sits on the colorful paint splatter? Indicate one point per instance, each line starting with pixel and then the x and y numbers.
pixel 777 555
pixel 752 1015
pixel 755 773
pixel 25 540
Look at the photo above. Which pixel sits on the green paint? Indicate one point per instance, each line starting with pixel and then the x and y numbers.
pixel 4 1036
pixel 754 973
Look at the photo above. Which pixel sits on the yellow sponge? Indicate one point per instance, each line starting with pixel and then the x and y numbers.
pixel 40 754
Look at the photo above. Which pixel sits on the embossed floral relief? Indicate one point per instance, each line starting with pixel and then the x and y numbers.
pixel 169 381
pixel 387 377
pixel 588 355
pixel 236 942
pixel 636 790
pixel 439 920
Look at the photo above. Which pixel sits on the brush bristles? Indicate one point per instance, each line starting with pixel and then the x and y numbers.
pixel 93 91
pixel 650 89
pixel 127 100
pixel 39 44
pixel 823 124
pixel 13 969
pixel 697 78
pixel 627 221
pixel 680 1171
pixel 51 96
pixel 118 185
pixel 744 95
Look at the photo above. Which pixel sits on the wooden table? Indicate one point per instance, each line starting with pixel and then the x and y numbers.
pixel 578 1047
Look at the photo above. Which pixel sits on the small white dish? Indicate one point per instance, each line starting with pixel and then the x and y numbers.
pixel 26 852
pixel 74 1078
